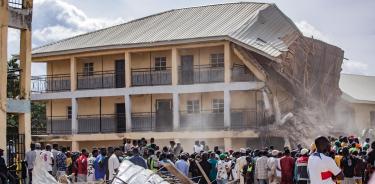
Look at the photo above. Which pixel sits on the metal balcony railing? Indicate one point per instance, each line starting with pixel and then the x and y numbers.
pixel 201 74
pixel 104 123
pixel 51 125
pixel 143 121
pixel 245 118
pixel 203 120
pixel 50 83
pixel 151 77
pixel 101 79
pixel 240 73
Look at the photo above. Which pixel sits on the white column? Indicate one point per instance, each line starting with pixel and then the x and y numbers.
pixel 128 113
pixel 74 116
pixel 227 143
pixel 176 111
pixel 227 109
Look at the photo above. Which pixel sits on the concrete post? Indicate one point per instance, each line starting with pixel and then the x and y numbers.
pixel 75 146
pixel 176 111
pixel 174 66
pixel 227 143
pixel 73 74
pixel 128 70
pixel 128 113
pixel 227 63
pixel 3 72
pixel 74 116
pixel 25 128
pixel 227 109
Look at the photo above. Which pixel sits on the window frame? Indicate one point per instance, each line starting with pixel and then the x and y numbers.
pixel 217 60
pixel 192 106
pixel 218 105
pixel 69 112
pixel 160 63
pixel 88 69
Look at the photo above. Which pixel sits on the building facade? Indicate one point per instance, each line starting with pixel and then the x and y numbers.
pixel 178 75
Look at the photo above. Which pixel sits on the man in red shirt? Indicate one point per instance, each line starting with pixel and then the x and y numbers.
pixel 287 168
pixel 82 166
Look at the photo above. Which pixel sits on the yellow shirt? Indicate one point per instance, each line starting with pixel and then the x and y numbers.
pixel 338 160
pixel 68 161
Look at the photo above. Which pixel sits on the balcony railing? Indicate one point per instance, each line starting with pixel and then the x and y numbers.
pixel 245 118
pixel 151 77
pixel 240 73
pixel 201 74
pixel 143 121
pixel 105 123
pixel 203 120
pixel 101 79
pixel 52 125
pixel 50 83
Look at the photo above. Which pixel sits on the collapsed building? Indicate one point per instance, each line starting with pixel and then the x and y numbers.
pixel 234 75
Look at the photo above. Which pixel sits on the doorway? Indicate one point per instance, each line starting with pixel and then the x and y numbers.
pixel 120 117
pixel 164 115
pixel 120 73
pixel 187 69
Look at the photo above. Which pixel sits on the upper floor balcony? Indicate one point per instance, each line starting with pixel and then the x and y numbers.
pixel 50 83
pixel 101 79
pixel 201 74
pixel 151 76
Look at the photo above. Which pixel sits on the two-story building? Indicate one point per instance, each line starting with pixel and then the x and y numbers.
pixel 172 75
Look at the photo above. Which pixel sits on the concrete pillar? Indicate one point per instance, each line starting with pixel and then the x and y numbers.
pixel 227 109
pixel 227 143
pixel 75 146
pixel 174 66
pixel 128 113
pixel 227 63
pixel 73 74
pixel 3 71
pixel 25 128
pixel 128 70
pixel 176 111
pixel 74 116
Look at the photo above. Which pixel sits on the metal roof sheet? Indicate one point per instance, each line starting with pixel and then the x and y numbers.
pixel 359 87
pixel 259 25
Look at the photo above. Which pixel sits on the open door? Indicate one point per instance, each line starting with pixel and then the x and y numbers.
pixel 120 117
pixel 164 115
pixel 120 73
pixel 187 69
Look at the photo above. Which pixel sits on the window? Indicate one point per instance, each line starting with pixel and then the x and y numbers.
pixel 88 69
pixel 372 118
pixel 160 63
pixel 217 60
pixel 218 105
pixel 69 112
pixel 193 106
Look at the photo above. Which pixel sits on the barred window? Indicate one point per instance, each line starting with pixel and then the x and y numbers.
pixel 88 69
pixel 218 105
pixel 160 63
pixel 193 106
pixel 217 60
pixel 69 112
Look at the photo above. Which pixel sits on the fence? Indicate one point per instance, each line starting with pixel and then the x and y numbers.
pixel 50 83
pixel 201 74
pixel 101 79
pixel 104 123
pixel 151 77
pixel 143 121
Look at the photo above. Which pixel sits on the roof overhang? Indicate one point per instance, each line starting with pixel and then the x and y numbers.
pixel 350 99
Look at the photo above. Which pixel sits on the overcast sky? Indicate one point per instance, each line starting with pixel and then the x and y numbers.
pixel 346 23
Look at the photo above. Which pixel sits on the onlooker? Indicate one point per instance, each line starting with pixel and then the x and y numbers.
pixel 302 175
pixel 223 168
pixel 213 172
pixel 348 163
pixel 114 163
pixel 321 167
pixel 100 165
pixel 261 168
pixel 48 159
pixel 82 166
pixel 182 165
pixel 137 159
pixel 55 151
pixel 61 163
pixel 3 168
pixel 90 166
pixel 197 147
pixel 30 157
pixel 287 168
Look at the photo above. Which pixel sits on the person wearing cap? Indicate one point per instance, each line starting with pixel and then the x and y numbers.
pixel 271 166
pixel 223 168
pixel 302 176
pixel 240 162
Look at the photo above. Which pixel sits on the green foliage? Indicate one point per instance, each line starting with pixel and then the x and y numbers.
pixel 13 82
pixel 38 116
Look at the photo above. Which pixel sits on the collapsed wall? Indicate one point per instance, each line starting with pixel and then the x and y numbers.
pixel 301 89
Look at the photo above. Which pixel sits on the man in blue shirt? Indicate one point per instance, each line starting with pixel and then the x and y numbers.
pixel 182 165
pixel 61 163
pixel 138 160
pixel 100 165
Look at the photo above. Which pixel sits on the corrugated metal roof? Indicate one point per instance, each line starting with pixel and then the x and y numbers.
pixel 259 25
pixel 359 87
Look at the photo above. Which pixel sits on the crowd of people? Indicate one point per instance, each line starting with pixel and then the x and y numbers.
pixel 342 160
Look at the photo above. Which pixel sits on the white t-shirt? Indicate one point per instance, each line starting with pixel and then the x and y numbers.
pixel 47 157
pixel 198 148
pixel 319 167
pixel 90 169
pixel 113 163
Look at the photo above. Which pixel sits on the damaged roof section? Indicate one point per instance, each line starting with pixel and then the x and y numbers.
pixel 259 27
